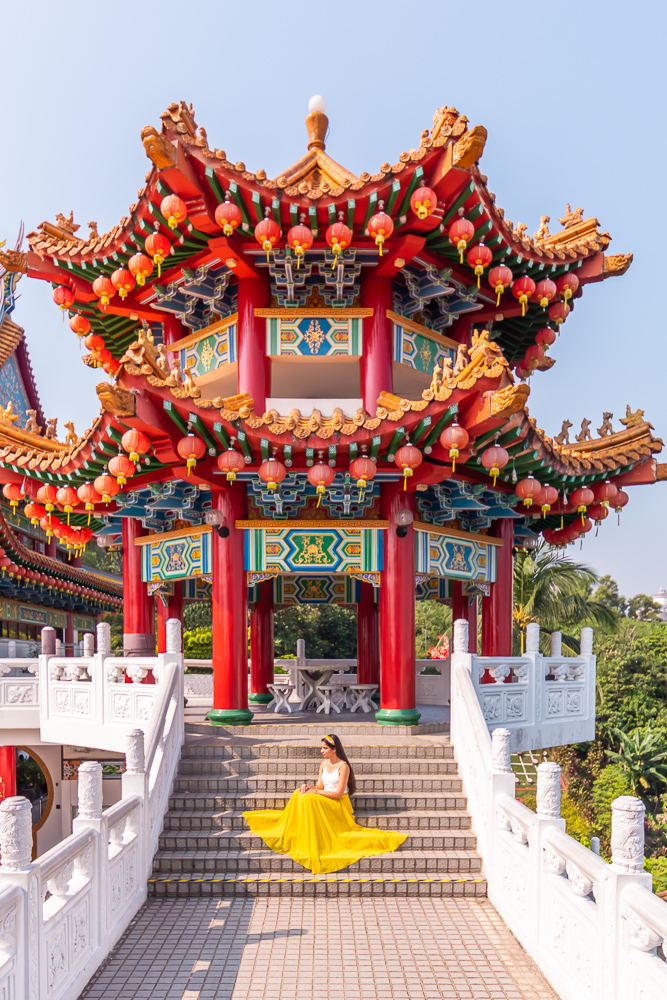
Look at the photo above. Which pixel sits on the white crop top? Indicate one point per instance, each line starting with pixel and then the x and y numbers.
pixel 331 778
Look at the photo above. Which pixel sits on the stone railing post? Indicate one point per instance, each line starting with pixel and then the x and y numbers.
pixel 135 782
pixel 173 631
pixel 460 635
pixel 548 790
pixel 533 638
pixel 556 644
pixel 500 751
pixel 135 761
pixel 48 641
pixel 90 790
pixel 627 834
pixel 300 652
pixel 88 644
pixel 586 642
pixel 104 638
pixel 15 834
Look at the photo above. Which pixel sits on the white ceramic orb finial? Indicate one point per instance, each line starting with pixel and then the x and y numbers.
pixel 317 103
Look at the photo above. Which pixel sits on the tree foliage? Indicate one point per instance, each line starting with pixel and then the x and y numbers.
pixel 328 629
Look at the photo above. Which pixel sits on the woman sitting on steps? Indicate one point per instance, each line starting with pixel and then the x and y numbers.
pixel 317 828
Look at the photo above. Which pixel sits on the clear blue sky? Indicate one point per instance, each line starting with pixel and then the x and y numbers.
pixel 572 96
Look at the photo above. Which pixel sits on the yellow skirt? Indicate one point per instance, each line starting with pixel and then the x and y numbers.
pixel 320 833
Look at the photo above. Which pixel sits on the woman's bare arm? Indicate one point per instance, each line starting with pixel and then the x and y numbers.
pixel 317 785
pixel 343 774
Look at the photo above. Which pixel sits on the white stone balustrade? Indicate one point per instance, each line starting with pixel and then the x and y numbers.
pixel 595 929
pixel 61 914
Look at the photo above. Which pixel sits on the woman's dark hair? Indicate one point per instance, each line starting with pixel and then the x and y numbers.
pixel 335 744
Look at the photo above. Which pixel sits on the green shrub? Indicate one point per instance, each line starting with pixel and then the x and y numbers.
pixel 658 869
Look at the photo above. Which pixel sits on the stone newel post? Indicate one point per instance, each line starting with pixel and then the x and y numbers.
pixel 173 635
pixel 89 644
pixel 134 752
pixel 533 638
pixel 48 641
pixel 586 641
pixel 548 790
pixel 15 834
pixel 627 834
pixel 460 635
pixel 104 637
pixel 90 790
pixel 556 644
pixel 500 751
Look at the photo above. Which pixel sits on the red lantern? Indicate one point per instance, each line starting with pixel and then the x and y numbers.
pixel 94 342
pixel 567 285
pixel 455 438
pixel 460 234
pixel 122 468
pixel 523 289
pixel 104 290
pixel 228 216
pixel 424 202
pixel 362 469
pixel 521 372
pixel 107 487
pixel 47 496
pixel 534 354
pixel 545 291
pixel 581 499
pixel 122 281
pixel 103 357
pixel 528 490
pixel 300 238
pixel 479 258
pixel 500 278
pixel 64 297
pixel 338 236
pixel 605 493
pixel 546 498
pixel 321 476
pixel 80 325
pixel 620 501
pixel 158 247
pixel 267 233
pixel 140 266
pixel 545 337
pixel 408 458
pixel 494 459
pixel 272 472
pixel 174 210
pixel 13 492
pixel 89 496
pixel 68 499
pixel 598 511
pixel 191 448
pixel 559 312
pixel 112 367
pixel 380 227
pixel 136 443
pixel 231 462
pixel 34 511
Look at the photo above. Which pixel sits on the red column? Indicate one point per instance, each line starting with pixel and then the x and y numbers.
pixel 138 613
pixel 261 644
pixel 254 366
pixel 173 330
pixel 230 613
pixel 397 635
pixel 375 364
pixel 171 608
pixel 368 636
pixel 7 772
pixel 462 608
pixel 497 608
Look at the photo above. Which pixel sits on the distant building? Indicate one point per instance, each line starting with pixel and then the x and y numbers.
pixel 661 599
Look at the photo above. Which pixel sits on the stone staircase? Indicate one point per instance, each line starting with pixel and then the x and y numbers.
pixel 206 848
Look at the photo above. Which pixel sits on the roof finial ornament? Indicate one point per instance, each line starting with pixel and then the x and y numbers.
pixel 317 122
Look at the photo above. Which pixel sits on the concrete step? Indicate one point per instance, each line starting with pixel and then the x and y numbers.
pixel 366 784
pixel 339 884
pixel 207 820
pixel 263 860
pixel 299 751
pixel 284 726
pixel 243 840
pixel 276 800
pixel 389 768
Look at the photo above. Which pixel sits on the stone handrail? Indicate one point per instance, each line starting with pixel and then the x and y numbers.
pixel 61 914
pixel 594 928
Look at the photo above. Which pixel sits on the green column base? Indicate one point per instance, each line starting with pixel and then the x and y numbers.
pixel 230 716
pixel 397 717
pixel 260 697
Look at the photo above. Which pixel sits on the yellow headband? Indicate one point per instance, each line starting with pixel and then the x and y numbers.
pixel 329 740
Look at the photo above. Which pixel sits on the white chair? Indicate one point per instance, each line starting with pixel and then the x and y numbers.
pixel 327 694
pixel 281 696
pixel 360 697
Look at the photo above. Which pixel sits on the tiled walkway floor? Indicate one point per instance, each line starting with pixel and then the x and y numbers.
pixel 301 949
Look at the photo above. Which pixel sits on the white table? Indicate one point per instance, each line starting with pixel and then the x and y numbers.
pixel 313 678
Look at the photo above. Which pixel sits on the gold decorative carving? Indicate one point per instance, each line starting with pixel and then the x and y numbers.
pixel 571 218
pixel 505 402
pixel 31 425
pixel 614 266
pixel 72 439
pixel 7 413
pixel 14 261
pixel 158 148
pixel 632 419
pixel 543 231
pixel 584 434
pixel 469 148
pixel 606 425
pixel 115 400
pixel 461 359
pixel 564 436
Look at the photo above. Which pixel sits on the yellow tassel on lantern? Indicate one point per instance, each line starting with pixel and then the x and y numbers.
pixel 453 455
pixel 321 490
pixel 379 240
pixel 406 473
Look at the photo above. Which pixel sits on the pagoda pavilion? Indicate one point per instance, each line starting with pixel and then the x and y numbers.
pixel 317 392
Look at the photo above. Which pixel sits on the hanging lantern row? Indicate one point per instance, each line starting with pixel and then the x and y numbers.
pixel 191 448
pixel 231 462
pixel 494 459
pixel 300 239
pixel 424 202
pixel 173 209
pixel 321 476
pixel 455 438
pixel 408 458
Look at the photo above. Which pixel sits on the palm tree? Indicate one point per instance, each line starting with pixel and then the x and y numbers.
pixel 555 592
pixel 642 754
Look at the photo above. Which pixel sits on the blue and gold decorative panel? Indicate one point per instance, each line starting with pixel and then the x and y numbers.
pixel 460 558
pixel 313 547
pixel 209 353
pixel 418 350
pixel 197 588
pixel 289 589
pixel 314 336
pixel 434 588
pixel 176 557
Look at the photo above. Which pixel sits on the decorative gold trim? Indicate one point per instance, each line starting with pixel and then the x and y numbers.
pixel 279 525
pixel 193 338
pixel 442 529
pixel 410 324
pixel 157 536
pixel 352 313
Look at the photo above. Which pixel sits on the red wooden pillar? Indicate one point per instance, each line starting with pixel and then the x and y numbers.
pixel 368 636
pixel 230 613
pixel 138 613
pixel 69 634
pixel 261 644
pixel 7 772
pixel 397 635
pixel 173 329
pixel 463 608
pixel 171 608
pixel 254 365
pixel 375 364
pixel 497 608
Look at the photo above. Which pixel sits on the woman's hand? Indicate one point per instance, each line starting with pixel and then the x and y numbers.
pixel 304 788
